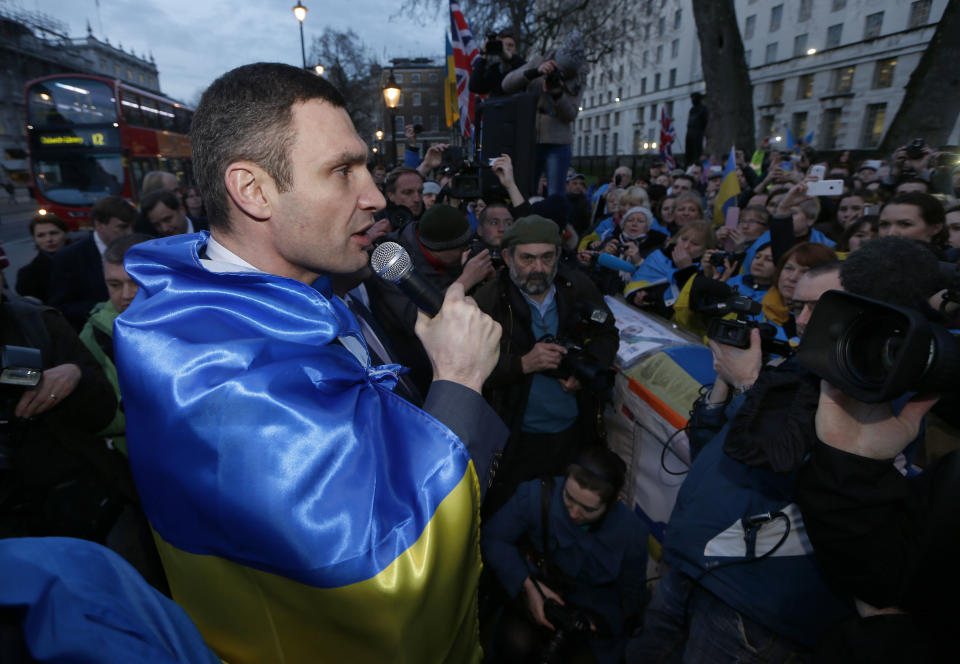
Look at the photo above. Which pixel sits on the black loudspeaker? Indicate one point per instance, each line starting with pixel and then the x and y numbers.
pixel 508 125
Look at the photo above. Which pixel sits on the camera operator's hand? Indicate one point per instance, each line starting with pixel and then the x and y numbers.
pixel 475 269
pixel 738 367
pixel 868 429
pixel 542 357
pixel 460 324
pixel 570 385
pixel 611 246
pixel 411 135
pixel 535 601
pixel 503 168
pixel 547 67
pixel 586 257
pixel 708 268
pixel 631 253
pixel 56 385
pixel 432 159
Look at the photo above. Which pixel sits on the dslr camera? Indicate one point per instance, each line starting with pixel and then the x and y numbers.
pixel 496 257
pixel 915 149
pixel 570 624
pixel 719 258
pixel 494 46
pixel 593 376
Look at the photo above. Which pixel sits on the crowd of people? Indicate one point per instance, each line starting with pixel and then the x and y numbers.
pixel 219 406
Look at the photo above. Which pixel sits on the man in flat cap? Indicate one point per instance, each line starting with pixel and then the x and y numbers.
pixel 540 306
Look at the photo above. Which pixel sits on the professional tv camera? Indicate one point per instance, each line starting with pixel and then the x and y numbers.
pixel 876 352
pixel 716 301
pixel 464 172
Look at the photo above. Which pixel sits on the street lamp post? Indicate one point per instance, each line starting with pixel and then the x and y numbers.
pixel 391 97
pixel 301 13
pixel 319 69
pixel 379 135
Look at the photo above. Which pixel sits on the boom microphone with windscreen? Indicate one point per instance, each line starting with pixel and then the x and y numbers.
pixel 391 262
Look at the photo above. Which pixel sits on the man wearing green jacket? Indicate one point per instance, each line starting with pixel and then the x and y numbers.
pixel 97 334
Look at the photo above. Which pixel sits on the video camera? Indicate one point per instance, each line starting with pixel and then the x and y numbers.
pixel 719 258
pixel 494 46
pixel 595 377
pixel 464 174
pixel 715 300
pixel 876 352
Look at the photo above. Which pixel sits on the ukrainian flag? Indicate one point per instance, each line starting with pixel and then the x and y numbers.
pixel 729 190
pixel 302 510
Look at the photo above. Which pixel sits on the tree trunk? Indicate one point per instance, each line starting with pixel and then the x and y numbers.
pixel 729 94
pixel 931 101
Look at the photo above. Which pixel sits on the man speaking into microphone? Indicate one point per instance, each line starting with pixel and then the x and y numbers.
pixel 303 511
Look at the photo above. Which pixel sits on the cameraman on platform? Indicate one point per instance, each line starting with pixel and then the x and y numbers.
pixel 550 416
pixel 556 79
pixel 498 57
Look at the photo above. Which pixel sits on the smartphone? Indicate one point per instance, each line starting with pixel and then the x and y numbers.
pixel 786 164
pixel 825 188
pixel 818 171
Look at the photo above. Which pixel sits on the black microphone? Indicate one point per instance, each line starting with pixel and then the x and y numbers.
pixel 391 262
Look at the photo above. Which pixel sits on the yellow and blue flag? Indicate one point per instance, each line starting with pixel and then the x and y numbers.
pixel 729 190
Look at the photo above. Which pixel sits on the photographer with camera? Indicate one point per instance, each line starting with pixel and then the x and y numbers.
pixel 591 552
pixel 556 352
pixel 498 57
pixel 556 79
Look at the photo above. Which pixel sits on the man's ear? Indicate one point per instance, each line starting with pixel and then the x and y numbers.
pixel 250 188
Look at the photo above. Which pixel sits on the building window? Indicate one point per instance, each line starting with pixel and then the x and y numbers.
pixel 398 78
pixel 806 9
pixel 620 73
pixel 873 25
pixel 656 82
pixel 798 125
pixel 883 73
pixel 659 54
pixel 414 78
pixel 616 143
pixel 805 86
pixel 746 56
pixel 646 31
pixel 434 123
pixel 673 77
pixel 771 55
pixel 637 140
pixel 653 112
pixel 433 77
pixel 843 80
pixel 661 26
pixel 616 119
pixel 749 26
pixel 674 48
pixel 838 5
pixel 398 124
pixel 651 132
pixel 596 144
pixel 678 18
pixel 643 85
pixel 669 109
pixel 646 58
pixel 776 15
pixel 609 96
pixel 919 13
pixel 830 128
pixel 416 99
pixel 776 91
pixel 834 35
pixel 799 45
pixel 418 120
pixel 603 143
pixel 873 125
pixel 767 123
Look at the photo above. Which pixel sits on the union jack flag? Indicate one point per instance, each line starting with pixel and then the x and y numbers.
pixel 667 136
pixel 465 51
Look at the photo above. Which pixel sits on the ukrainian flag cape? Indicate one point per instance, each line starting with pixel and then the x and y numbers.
pixel 304 512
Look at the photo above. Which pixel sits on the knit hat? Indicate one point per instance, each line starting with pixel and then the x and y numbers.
pixel 643 210
pixel 444 227
pixel 431 187
pixel 533 229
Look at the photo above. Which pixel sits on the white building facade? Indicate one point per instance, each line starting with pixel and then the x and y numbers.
pixel 837 68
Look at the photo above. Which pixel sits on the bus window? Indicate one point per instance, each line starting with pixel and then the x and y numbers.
pixel 167 117
pixel 151 114
pixel 183 120
pixel 71 101
pixel 131 108
pixel 78 178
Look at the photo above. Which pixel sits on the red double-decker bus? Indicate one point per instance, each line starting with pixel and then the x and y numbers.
pixel 91 136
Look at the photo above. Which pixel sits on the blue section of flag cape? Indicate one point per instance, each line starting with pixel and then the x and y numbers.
pixel 257 437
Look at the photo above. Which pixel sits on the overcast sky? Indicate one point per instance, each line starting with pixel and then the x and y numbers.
pixel 194 41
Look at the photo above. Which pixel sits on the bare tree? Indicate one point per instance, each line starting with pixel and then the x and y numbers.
pixel 349 65
pixel 726 76
pixel 931 101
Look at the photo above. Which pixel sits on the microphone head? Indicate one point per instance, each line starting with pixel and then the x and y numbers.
pixel 390 261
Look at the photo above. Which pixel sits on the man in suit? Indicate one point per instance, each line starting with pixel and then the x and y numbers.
pixel 166 214
pixel 76 276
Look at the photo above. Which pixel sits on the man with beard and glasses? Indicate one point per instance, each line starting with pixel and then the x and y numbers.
pixel 542 306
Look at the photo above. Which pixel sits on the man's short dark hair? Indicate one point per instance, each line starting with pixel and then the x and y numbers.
pixel 689 178
pixel 915 180
pixel 117 249
pixel 599 469
pixel 247 114
pixel 108 207
pixel 165 196
pixel 482 217
pixel 390 182
pixel 895 270
pixel 48 218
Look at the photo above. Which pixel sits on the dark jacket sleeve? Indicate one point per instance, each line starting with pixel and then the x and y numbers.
pixel 781 235
pixel 519 517
pixel 467 414
pixel 509 368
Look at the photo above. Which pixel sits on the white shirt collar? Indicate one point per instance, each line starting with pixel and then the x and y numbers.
pixel 101 245
pixel 221 259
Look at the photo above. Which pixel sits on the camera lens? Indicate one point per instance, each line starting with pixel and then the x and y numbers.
pixel 869 348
